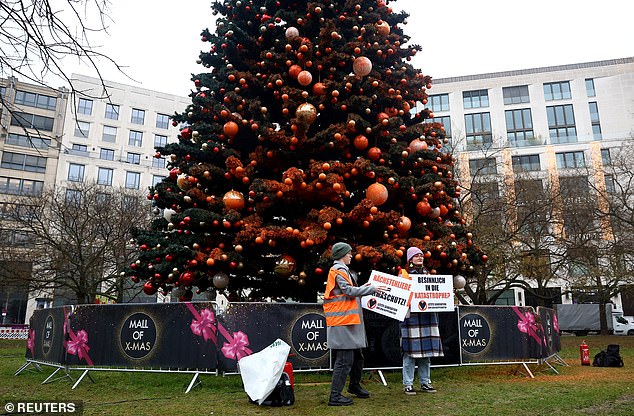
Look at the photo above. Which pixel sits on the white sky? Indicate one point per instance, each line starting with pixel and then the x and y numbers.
pixel 159 40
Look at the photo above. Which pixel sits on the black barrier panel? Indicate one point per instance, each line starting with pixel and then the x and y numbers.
pixel 159 335
pixel 245 328
pixel 551 343
pixel 493 333
pixel 384 343
pixel 47 334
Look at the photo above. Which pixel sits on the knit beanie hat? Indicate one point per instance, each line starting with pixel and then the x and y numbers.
pixel 340 249
pixel 412 251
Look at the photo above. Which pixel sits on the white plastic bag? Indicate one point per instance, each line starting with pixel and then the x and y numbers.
pixel 261 371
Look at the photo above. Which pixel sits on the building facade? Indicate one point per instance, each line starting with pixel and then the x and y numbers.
pixel 547 124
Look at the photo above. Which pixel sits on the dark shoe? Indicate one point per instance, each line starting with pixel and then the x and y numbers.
pixel 359 391
pixel 427 388
pixel 409 390
pixel 339 401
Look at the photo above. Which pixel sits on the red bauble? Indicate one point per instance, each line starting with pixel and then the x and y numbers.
pixel 233 200
pixel 423 208
pixel 417 145
pixel 304 78
pixel 186 133
pixel 319 88
pixel 404 224
pixel 149 289
pixel 230 128
pixel 186 279
pixel 377 193
pixel 294 70
pixel 360 142
pixel 374 153
pixel 362 66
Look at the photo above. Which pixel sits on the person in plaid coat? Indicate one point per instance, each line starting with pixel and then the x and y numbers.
pixel 420 336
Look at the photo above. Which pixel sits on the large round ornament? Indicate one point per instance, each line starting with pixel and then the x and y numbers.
pixel 306 113
pixel 149 289
pixel 233 200
pixel 404 224
pixel 377 193
pixel 423 208
pixel 383 28
pixel 230 128
pixel 294 71
pixel 360 142
pixel 362 66
pixel 417 145
pixel 220 280
pixel 284 265
pixel 182 181
pixel 291 33
pixel 304 78
pixel 459 282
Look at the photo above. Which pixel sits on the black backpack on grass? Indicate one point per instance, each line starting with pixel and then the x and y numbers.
pixel 282 395
pixel 609 357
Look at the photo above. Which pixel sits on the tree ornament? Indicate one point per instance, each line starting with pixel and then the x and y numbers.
pixel 230 128
pixel 383 28
pixel 284 265
pixel 423 208
pixel 291 33
pixel 220 280
pixel 233 200
pixel 417 145
pixel 377 193
pixel 360 142
pixel 304 78
pixel 362 66
pixel 404 224
pixel 149 289
pixel 374 154
pixel 306 113
pixel 294 71
pixel 459 282
pixel 182 181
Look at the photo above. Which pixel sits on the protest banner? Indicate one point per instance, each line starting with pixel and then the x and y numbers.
pixel 394 303
pixel 432 293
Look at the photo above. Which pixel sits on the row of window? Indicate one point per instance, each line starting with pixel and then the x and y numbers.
pixel 109 134
pixel 112 111
pixel 553 91
pixel 76 173
pixel 19 186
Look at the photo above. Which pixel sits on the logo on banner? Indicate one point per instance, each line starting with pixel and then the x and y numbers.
pixel 49 330
pixel 475 333
pixel 138 335
pixel 308 336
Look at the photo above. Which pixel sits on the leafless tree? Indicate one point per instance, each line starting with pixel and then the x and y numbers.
pixel 76 238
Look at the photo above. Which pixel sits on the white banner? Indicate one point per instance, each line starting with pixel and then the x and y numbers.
pixel 432 293
pixel 394 303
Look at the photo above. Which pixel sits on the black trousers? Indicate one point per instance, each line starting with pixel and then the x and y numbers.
pixel 346 362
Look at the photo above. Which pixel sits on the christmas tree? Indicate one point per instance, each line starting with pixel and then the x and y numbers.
pixel 306 129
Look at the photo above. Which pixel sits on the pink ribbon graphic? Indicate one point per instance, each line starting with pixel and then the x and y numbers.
pixel 527 324
pixel 236 348
pixel 30 343
pixel 78 345
pixel 203 323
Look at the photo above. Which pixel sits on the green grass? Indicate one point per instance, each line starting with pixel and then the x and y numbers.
pixel 474 390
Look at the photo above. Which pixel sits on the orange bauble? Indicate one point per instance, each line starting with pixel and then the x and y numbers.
pixel 294 70
pixel 233 200
pixel 304 78
pixel 423 208
pixel 377 193
pixel 374 153
pixel 306 113
pixel 383 28
pixel 417 145
pixel 362 66
pixel 319 88
pixel 230 128
pixel 360 142
pixel 404 224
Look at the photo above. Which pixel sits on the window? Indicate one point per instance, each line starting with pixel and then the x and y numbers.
pixel 162 121
pixel 135 138
pixel 590 87
pixel 515 95
pixel 532 206
pixel 557 91
pixel 109 134
pixel 160 141
pixel 156 179
pixel 19 161
pixel 570 160
pixel 106 154
pixel 76 172
pixel 475 99
pixel 561 124
pixel 31 121
pixel 81 149
pixel 478 129
pixel 35 100
pixel 594 119
pixel 526 163
pixel 84 106
pixel 134 158
pixel 26 141
pixel 159 162
pixel 486 166
pixel 519 127
pixel 138 116
pixel 610 186
pixel 104 176
pixel 438 102
pixel 605 157
pixel 82 129
pixel 73 196
pixel 112 111
pixel 18 186
pixel 445 121
pixel 132 180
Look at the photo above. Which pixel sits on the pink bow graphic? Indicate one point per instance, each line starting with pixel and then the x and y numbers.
pixel 203 324
pixel 236 348
pixel 555 323
pixel 78 345
pixel 30 343
pixel 527 325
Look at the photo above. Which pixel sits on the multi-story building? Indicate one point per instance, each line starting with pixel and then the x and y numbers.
pixel 31 126
pixel 545 123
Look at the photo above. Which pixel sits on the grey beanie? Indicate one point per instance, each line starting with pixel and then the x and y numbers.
pixel 340 249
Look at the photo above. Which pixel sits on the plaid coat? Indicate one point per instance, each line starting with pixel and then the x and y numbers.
pixel 420 336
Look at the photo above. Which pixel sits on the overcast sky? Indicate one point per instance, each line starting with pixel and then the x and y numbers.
pixel 159 40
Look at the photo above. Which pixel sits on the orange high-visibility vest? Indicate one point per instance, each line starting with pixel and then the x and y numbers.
pixel 339 309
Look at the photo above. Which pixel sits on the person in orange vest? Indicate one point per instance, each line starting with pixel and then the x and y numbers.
pixel 344 325
pixel 420 336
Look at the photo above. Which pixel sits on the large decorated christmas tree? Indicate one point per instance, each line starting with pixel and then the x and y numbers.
pixel 306 128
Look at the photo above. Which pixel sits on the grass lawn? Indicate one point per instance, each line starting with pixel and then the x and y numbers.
pixel 475 390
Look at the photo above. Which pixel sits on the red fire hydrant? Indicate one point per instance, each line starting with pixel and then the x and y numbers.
pixel 584 351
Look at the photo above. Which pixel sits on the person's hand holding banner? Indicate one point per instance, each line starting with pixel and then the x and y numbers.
pixel 392 296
